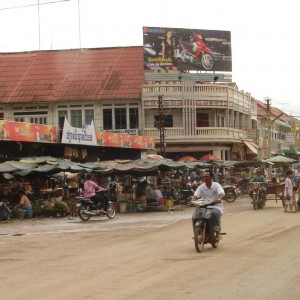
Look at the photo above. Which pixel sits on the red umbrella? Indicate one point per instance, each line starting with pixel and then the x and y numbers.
pixel 154 156
pixel 209 157
pixel 188 158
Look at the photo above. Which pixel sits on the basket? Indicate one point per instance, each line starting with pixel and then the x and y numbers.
pixel 19 214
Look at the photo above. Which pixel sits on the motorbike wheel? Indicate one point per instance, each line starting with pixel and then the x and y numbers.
pixel 214 242
pixel 260 200
pixel 255 202
pixel 110 212
pixel 207 61
pixel 199 237
pixel 82 212
pixel 230 197
pixel 183 55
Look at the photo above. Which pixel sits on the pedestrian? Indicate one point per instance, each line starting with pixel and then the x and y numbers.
pixel 216 174
pixel 288 193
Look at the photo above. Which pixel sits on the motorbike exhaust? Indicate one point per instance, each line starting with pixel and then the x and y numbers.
pixel 89 213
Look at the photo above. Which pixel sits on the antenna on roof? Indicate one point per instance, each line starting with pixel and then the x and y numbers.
pixel 79 29
pixel 39 25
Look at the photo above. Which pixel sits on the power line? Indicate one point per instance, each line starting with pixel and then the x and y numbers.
pixel 30 5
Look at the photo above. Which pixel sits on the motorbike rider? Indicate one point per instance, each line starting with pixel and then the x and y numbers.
pixel 212 191
pixel 90 188
pixel 246 178
pixel 259 177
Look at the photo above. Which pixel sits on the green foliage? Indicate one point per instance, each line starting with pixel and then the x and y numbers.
pixel 59 206
pixel 70 202
pixel 47 208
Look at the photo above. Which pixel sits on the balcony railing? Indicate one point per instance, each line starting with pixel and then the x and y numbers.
pixel 206 134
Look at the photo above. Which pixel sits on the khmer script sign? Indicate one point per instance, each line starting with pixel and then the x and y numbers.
pixel 79 136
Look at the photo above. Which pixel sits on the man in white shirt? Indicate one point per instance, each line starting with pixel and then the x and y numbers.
pixel 212 191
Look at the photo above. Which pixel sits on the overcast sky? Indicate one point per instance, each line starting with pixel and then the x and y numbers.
pixel 264 34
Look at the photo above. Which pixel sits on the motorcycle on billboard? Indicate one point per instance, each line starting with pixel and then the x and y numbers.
pixel 197 53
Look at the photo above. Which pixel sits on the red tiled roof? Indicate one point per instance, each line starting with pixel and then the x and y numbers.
pixel 274 112
pixel 72 75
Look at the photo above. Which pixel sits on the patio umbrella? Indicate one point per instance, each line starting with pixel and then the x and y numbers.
pixel 296 166
pixel 188 158
pixel 280 159
pixel 154 156
pixel 210 157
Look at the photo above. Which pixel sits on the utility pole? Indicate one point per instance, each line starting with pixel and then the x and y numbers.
pixel 161 126
pixel 268 100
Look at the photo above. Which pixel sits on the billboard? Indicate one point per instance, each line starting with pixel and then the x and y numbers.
pixel 186 49
pixel 27 132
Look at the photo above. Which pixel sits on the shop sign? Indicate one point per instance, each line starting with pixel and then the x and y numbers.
pixel 78 136
pixel 290 138
pixel 251 134
pixel 27 132
pixel 110 139
pixel 125 131
pixel 293 128
pixel 88 136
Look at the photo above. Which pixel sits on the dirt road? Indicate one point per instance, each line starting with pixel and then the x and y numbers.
pixel 152 256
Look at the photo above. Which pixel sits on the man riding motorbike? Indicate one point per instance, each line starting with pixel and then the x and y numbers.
pixel 212 191
pixel 90 188
pixel 259 177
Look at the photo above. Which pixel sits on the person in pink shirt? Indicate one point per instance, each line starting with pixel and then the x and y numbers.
pixel 90 188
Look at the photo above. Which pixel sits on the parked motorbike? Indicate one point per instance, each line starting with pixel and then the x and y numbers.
pixel 242 187
pixel 204 232
pixel 86 207
pixel 258 195
pixel 185 197
pixel 197 53
pixel 230 193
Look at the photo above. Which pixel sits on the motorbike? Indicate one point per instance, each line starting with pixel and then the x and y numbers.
pixel 197 53
pixel 185 197
pixel 86 208
pixel 204 232
pixel 258 195
pixel 230 193
pixel 243 187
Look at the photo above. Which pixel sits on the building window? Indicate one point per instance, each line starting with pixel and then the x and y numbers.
pixel 19 120
pixel 168 121
pixel 88 116
pixel 133 118
pixel 38 120
pixel 120 118
pixel 1 116
pixel 61 118
pixel 76 118
pixel 107 119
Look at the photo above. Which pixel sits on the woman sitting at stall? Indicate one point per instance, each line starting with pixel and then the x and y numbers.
pixel 24 204
pixel 157 194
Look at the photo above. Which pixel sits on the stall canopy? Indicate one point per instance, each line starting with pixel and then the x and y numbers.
pixel 50 166
pixel 13 166
pixel 251 146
